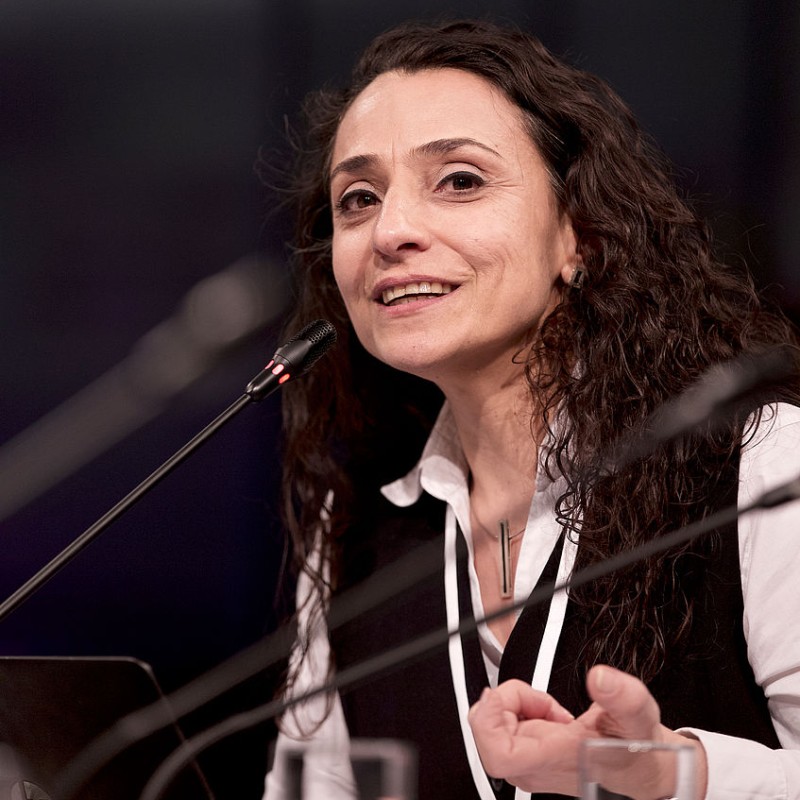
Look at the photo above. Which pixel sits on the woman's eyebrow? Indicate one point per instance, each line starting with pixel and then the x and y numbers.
pixel 437 147
pixel 353 164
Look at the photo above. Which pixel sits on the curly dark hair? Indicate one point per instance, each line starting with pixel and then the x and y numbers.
pixel 655 311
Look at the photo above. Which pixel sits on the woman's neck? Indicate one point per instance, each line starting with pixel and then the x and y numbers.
pixel 500 447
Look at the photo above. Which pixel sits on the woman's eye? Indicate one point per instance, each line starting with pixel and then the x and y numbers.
pixel 461 182
pixel 356 200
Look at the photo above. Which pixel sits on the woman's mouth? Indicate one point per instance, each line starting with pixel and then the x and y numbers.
pixel 411 292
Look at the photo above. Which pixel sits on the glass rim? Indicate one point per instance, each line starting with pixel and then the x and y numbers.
pixel 633 745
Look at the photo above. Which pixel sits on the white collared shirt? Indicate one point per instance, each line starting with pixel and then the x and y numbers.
pixel 769 545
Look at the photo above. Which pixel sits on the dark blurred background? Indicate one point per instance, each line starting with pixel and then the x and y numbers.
pixel 129 131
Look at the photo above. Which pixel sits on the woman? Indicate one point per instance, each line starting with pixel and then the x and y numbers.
pixel 487 225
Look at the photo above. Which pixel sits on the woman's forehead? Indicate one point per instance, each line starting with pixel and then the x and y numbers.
pixel 400 110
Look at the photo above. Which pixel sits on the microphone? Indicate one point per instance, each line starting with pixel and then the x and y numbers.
pixel 292 360
pixel 713 399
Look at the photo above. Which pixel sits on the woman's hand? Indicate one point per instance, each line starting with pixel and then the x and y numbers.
pixel 526 737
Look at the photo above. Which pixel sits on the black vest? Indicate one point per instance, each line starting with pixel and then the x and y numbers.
pixel 416 702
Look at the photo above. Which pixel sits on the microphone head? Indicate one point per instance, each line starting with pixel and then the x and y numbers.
pixel 724 391
pixel 293 359
pixel 320 336
pixel 304 349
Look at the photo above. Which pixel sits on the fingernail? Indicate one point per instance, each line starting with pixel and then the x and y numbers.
pixel 605 680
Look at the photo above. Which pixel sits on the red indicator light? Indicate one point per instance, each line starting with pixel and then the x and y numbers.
pixel 284 378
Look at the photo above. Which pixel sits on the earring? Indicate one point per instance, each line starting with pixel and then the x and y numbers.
pixel 576 279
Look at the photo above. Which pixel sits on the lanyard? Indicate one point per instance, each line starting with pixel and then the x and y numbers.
pixel 544 660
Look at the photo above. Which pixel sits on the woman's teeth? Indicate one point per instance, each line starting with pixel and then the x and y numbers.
pixel 398 295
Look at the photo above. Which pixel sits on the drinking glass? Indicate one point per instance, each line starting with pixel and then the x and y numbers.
pixel 382 769
pixel 602 763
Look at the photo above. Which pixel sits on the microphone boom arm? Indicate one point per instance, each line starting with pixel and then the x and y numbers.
pixel 292 360
pixel 91 533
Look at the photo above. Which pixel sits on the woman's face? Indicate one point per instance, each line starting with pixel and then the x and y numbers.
pixel 448 245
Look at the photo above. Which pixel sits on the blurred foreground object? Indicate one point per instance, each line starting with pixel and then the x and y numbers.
pixel 217 314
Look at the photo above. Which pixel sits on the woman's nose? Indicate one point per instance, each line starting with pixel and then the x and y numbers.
pixel 399 226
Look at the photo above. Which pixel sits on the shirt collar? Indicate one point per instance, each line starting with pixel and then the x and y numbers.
pixel 440 470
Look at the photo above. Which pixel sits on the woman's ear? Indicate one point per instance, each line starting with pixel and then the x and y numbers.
pixel 572 270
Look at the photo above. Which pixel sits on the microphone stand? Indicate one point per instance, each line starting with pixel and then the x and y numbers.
pixel 291 360
pixel 91 533
pixel 142 723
